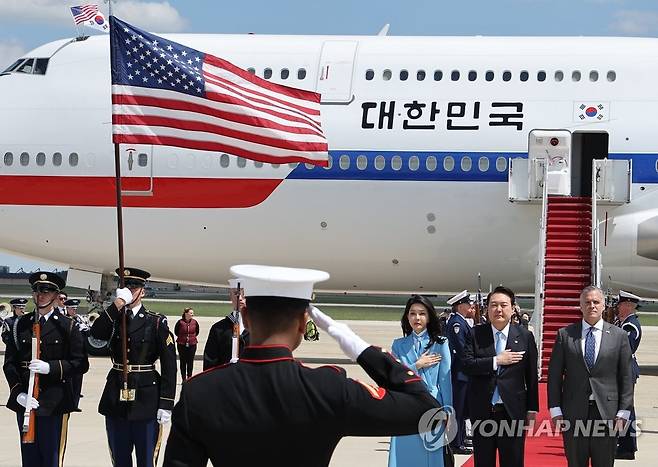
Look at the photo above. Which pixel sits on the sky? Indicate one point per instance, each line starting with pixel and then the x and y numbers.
pixel 26 24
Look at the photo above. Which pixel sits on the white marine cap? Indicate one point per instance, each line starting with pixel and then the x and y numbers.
pixel 461 297
pixel 233 283
pixel 627 297
pixel 275 281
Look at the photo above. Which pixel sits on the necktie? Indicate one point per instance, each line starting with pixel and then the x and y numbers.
pixel 42 321
pixel 590 348
pixel 495 399
pixel 417 345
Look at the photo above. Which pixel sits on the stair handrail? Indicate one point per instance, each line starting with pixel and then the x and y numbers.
pixel 595 247
pixel 537 318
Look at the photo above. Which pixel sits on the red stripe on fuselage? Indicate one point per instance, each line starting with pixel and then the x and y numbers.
pixel 26 190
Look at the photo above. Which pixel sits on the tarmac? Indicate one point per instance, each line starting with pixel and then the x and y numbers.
pixel 87 444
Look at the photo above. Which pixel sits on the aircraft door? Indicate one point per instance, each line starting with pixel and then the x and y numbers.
pixel 613 179
pixel 336 70
pixel 554 147
pixel 136 169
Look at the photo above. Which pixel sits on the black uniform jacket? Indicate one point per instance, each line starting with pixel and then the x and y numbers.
pixel 269 409
pixel 218 346
pixel 148 339
pixel 518 384
pixel 62 347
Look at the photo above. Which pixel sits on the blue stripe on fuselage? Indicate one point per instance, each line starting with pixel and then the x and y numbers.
pixel 433 166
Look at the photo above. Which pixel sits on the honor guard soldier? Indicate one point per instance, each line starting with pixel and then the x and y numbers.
pixel 17 309
pixel 456 329
pixel 219 344
pixel 40 382
pixel 627 304
pixel 71 306
pixel 136 400
pixel 248 413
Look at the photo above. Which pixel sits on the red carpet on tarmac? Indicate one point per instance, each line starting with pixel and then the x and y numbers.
pixel 542 448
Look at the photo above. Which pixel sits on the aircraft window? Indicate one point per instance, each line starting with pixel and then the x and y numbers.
pixel 251 70
pixel 593 75
pixel 224 161
pixel 267 73
pixel 448 163
pixel 612 76
pixel 541 76
pixel 293 165
pixel 489 75
pixel 9 158
pixel 523 76
pixel 438 75
pixel 380 162
pixel 142 159
pixel 301 74
pixel 387 75
pixel 310 166
pixel 41 159
pixel 370 74
pixel 41 66
pixel 454 76
pixel 24 159
pixel 330 162
pixel 344 162
pixel 483 164
pixel 258 164
pixel 466 164
pixel 420 75
pixel 285 73
pixel 73 159
pixel 242 162
pixel 404 75
pixel 559 76
pixel 472 75
pixel 14 65
pixel 396 162
pixel 501 164
pixel 414 163
pixel 362 162
pixel 575 76
pixel 276 166
pixel 57 159
pixel 507 75
pixel 26 67
pixel 430 163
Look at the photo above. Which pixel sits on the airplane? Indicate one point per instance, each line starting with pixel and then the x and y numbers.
pixel 420 193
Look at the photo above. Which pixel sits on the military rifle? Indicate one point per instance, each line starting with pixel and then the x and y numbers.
pixel 30 416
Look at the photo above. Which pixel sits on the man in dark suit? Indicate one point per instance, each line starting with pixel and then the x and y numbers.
pixel 501 361
pixel 590 384
pixel 247 413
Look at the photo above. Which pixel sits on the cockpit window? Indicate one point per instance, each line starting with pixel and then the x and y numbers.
pixel 26 67
pixel 40 66
pixel 30 66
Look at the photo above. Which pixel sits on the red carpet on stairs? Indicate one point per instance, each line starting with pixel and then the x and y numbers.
pixel 542 448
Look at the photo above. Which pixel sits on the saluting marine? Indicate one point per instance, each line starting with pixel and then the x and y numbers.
pixel 627 305
pixel 62 357
pixel 134 414
pixel 456 329
pixel 269 409
pixel 17 309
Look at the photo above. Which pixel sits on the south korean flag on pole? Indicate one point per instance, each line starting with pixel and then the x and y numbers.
pixel 591 111
pixel 90 16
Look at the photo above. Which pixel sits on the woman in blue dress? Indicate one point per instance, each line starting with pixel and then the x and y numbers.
pixel 424 350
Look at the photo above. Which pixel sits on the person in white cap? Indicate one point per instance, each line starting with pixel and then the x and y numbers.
pixel 627 305
pixel 269 409
pixel 218 347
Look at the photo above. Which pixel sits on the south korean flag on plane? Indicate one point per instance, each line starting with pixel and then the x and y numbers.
pixel 591 112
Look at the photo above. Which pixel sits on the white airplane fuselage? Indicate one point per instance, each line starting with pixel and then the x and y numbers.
pixel 399 208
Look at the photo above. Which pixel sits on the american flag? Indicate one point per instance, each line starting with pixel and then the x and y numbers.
pixel 83 13
pixel 164 93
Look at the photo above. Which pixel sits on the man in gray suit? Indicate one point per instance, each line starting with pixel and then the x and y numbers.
pixel 590 388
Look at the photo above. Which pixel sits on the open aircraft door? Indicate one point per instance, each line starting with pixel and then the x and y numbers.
pixel 613 179
pixel 336 70
pixel 136 169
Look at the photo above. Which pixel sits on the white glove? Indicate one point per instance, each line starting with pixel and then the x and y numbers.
pixel 30 403
pixel 39 366
pixel 164 416
pixel 125 294
pixel 351 344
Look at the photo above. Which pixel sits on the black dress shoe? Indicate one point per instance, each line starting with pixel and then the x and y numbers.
pixel 625 455
pixel 463 450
